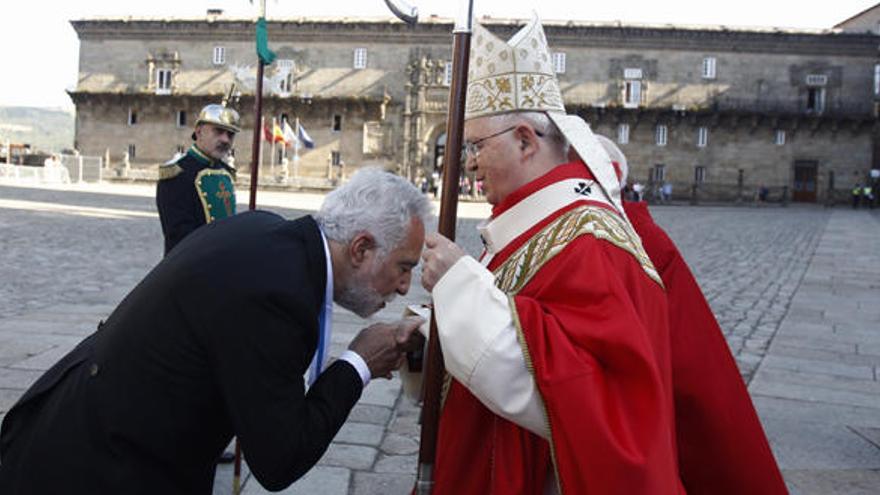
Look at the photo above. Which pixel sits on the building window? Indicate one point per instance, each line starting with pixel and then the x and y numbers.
pixel 709 68
pixel 632 73
pixel 632 93
pixel 219 55
pixel 817 80
pixel 632 87
pixel 660 135
pixel 702 137
pixel 877 80
pixel 699 174
pixel 337 123
pixel 335 158
pixel 132 151
pixel 285 85
pixel 132 116
pixel 815 100
pixel 181 118
pixel 360 58
pixel 658 173
pixel 447 74
pixel 286 68
pixel 559 62
pixel 163 81
pixel 779 138
pixel 623 133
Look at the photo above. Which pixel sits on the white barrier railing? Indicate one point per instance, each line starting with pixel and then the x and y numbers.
pixel 25 174
pixel 83 168
pixel 71 168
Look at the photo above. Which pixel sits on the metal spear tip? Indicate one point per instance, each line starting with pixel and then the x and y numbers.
pixel 404 11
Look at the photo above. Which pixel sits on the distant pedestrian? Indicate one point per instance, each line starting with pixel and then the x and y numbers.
pixel 666 192
pixel 868 195
pixel 638 190
pixel 856 195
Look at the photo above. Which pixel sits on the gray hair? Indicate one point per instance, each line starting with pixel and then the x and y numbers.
pixel 373 201
pixel 539 121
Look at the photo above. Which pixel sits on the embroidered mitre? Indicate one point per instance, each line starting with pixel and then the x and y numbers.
pixel 514 76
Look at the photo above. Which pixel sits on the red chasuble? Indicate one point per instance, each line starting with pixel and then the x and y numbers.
pixel 591 314
pixel 721 446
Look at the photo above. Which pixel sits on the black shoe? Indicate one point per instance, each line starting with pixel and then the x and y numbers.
pixel 226 458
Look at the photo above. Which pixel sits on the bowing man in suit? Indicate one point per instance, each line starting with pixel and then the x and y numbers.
pixel 214 342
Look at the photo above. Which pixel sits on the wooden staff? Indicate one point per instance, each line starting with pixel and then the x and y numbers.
pixel 255 172
pixel 433 370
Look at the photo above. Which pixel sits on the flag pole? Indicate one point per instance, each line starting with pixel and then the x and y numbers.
pixel 272 161
pixel 258 111
pixel 263 138
pixel 296 152
pixel 264 57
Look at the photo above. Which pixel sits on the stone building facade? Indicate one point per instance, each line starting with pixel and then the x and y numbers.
pixel 716 112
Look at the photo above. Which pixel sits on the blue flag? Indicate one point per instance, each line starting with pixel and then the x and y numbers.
pixel 304 137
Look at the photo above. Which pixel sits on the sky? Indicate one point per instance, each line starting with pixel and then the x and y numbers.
pixel 39 49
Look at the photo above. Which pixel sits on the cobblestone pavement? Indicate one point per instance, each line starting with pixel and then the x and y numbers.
pixel 68 256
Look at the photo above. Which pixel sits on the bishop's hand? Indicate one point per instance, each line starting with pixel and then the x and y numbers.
pixel 439 255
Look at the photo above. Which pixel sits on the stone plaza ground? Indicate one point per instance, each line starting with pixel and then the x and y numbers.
pixel 796 290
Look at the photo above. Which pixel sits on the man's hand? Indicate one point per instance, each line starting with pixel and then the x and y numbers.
pixel 439 255
pixel 382 345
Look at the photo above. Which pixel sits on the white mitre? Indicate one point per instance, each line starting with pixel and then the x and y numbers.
pixel 518 76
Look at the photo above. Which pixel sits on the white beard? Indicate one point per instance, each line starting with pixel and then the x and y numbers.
pixel 360 297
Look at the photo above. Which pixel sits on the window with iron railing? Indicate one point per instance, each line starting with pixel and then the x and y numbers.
pixel 360 58
pixel 623 133
pixel 219 57
pixel 559 62
pixel 702 137
pixel 660 135
pixel 163 81
pixel 709 68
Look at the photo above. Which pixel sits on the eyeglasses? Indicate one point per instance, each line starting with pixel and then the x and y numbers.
pixel 472 148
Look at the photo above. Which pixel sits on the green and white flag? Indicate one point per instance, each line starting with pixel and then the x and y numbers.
pixel 266 55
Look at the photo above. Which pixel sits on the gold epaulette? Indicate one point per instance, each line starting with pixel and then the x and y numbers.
pixel 169 171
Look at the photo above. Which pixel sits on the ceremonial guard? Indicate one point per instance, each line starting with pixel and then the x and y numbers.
pixel 198 187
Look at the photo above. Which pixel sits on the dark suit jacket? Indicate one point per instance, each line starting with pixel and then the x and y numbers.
pixel 213 342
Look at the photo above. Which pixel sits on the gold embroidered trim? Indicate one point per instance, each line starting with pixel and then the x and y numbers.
pixel 519 268
pixel 602 224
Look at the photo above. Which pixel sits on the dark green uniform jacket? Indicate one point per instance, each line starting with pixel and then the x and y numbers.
pixel 193 190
